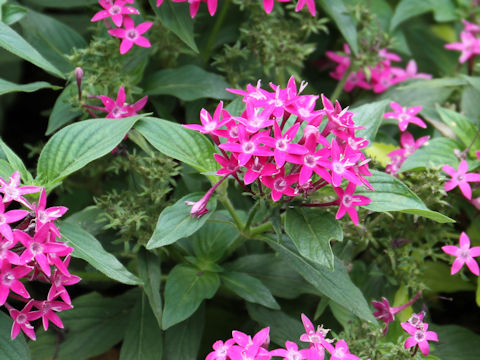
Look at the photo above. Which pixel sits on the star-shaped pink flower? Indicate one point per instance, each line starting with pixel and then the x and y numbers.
pixel 115 10
pixel 131 34
pixel 13 191
pixel 469 46
pixel 420 336
pixel 464 255
pixel 405 115
pixel 460 178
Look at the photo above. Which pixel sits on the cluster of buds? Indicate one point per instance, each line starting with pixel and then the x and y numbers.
pixel 30 250
pixel 414 326
pixel 267 5
pixel 469 45
pixel 243 347
pixel 280 142
pixel 120 16
pixel 405 116
pixel 378 77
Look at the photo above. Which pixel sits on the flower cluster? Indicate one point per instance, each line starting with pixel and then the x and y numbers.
pixel 386 313
pixel 267 5
pixel 120 15
pixel 280 142
pixel 379 77
pixel 469 45
pixel 463 255
pixel 28 250
pixel 420 336
pixel 405 116
pixel 243 347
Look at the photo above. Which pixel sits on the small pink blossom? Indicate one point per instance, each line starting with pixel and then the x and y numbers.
pixel 9 281
pixel 469 46
pixel 405 115
pixel 115 10
pixel 463 255
pixel 21 321
pixel 6 218
pixel 460 178
pixel 291 352
pixel 420 336
pixel 195 5
pixel 310 5
pixel 209 124
pixel 13 191
pixel 348 201
pixel 131 34
pixel 220 350
pixel 47 309
pixel 386 313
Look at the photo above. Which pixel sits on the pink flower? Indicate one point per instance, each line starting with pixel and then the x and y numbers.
pixel 348 201
pixel 131 34
pixel 386 313
pixel 9 281
pixel 405 115
pixel 469 46
pixel 420 336
pixel 464 255
pixel 460 178
pixel 470 27
pixel 280 184
pixel 341 352
pixel 291 352
pixel 44 215
pixel 221 350
pixel 409 73
pixel 310 5
pixel 116 11
pixel 258 167
pixel 316 338
pixel 9 217
pixel 21 321
pixel 282 144
pixel 195 5
pixel 47 309
pixel 12 191
pixel 268 5
pixel 59 280
pixel 209 125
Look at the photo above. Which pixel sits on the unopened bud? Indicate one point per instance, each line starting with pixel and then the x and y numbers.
pixel 78 76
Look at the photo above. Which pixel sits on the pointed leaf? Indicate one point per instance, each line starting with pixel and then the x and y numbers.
pixel 63 111
pixel 76 145
pixel 150 272
pixel 143 336
pixel 185 290
pixel 456 343
pixel 407 9
pixel 176 18
pixel 176 222
pixel 15 162
pixel 370 116
pixel 249 288
pixel 14 43
pixel 335 285
pixel 9 87
pixel 64 4
pixel 11 349
pixel 393 195
pixel 210 242
pixel 179 143
pixel 183 340
pixel 311 231
pixel 88 248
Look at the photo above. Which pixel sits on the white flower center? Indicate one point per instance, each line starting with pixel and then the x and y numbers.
pixel 248 147
pixel 115 10
pixel 281 144
pixel 11 191
pixel 131 34
pixel 347 200
pixel 338 167
pixel 464 254
pixel 36 248
pixel 280 185
pixel 309 160
pixel 210 126
pixel 419 336
pixel 8 278
pixel 21 319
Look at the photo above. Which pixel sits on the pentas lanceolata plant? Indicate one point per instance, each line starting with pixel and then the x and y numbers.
pixel 470 43
pixel 288 149
pixel 379 77
pixel 30 250
pixel 245 347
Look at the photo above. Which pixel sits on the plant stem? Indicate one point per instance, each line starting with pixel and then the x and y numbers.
pixel 339 88
pixel 465 152
pixel 214 33
pixel 251 215
pixel 228 205
pixel 261 229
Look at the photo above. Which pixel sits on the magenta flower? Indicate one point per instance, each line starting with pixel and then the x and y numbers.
pixel 469 46
pixel 209 125
pixel 348 201
pixel 291 352
pixel 255 120
pixel 268 5
pixel 195 5
pixel 410 72
pixel 131 35
pixel 229 165
pixel 9 217
pixel 420 336
pixel 342 163
pixel 405 115
pixel 12 191
pixel 116 11
pixel 310 5
pixel 460 178
pixel 47 216
pixel 386 313
pixel 470 27
pixel 280 184
pixel 464 255
pixel 220 350
pixel 9 281
pixel 47 309
pixel 258 167
pixel 316 338
pixel 282 145
pixel 340 352
pixel 21 321
pixel 59 280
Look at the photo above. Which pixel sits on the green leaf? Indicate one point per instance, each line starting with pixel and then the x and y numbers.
pixel 407 9
pixel 210 242
pixel 393 195
pixel 5 169
pixel 150 272
pixel 88 248
pixel 63 4
pixel 182 144
pixel 342 315
pixel 176 18
pixel 434 154
pixel 176 222
pixel 345 22
pixel 463 128
pixel 456 343
pixel 335 285
pixel 95 324
pixel 183 340
pixel 63 112
pixel 249 288
pixel 15 162
pixel 185 290
pixel 188 83
pixel 282 326
pixel 311 231
pixel 14 43
pixel 143 336
pixel 76 145
pixel 9 87
pixel 11 349
pixel 12 13
pixel 274 273
pixel 51 38
pixel 438 279
pixel 370 116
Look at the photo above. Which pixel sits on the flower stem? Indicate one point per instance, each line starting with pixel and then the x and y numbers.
pixel 466 151
pixel 214 33
pixel 261 229
pixel 339 88
pixel 228 205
